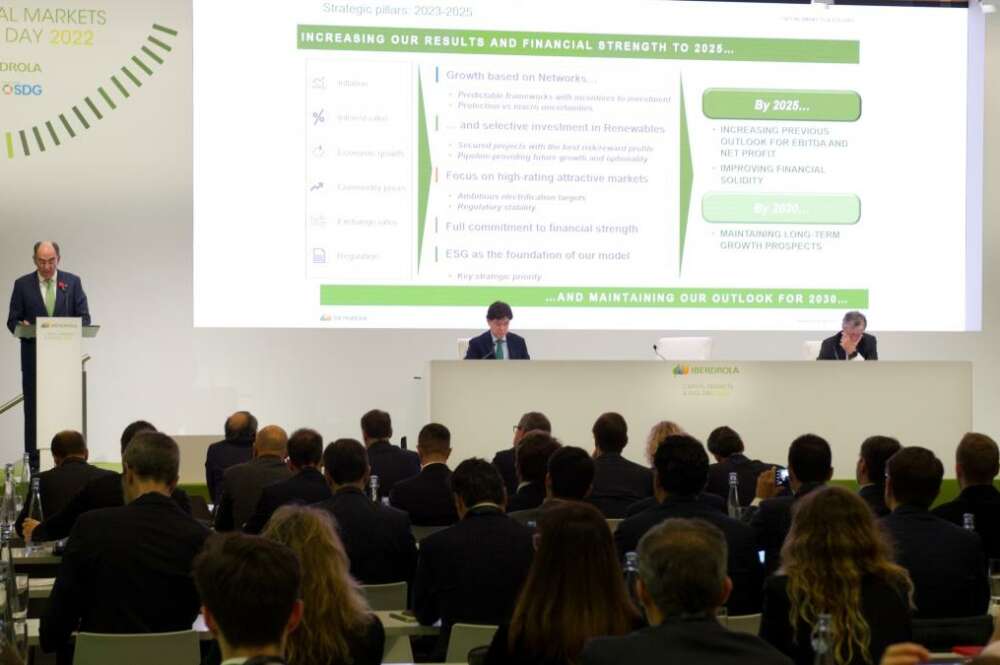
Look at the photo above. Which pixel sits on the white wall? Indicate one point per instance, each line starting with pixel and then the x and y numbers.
pixel 131 244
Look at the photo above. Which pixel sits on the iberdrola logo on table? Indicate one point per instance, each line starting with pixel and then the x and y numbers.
pixel 686 370
pixel 681 370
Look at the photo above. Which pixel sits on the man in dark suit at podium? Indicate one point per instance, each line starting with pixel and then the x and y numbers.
pixel 498 343
pixel 852 342
pixel 46 292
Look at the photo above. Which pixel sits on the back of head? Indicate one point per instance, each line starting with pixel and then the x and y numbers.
pixel 434 440
pixel 809 458
pixel 979 458
pixel 682 564
pixel 610 432
pixel 724 441
pixel 345 461
pixel 681 465
pixel 914 475
pixel 68 443
pixel 249 585
pixel 376 425
pixel 876 451
pixel 532 456
pixel 305 448
pixel 271 440
pixel 241 427
pixel 153 456
pixel 477 481
pixel 132 429
pixel 571 471
pixel 533 420
pixel 499 310
pixel 658 433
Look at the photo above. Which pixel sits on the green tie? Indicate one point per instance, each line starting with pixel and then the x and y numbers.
pixel 50 297
pixel 499 349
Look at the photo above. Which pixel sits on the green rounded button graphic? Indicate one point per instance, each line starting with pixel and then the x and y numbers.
pixel 750 208
pixel 811 105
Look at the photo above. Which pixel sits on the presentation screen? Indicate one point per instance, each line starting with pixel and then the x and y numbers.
pixel 636 164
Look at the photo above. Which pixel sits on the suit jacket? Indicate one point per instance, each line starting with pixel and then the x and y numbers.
pixel 528 496
pixel 746 471
pixel 427 497
pixel 618 483
pixel 874 496
pixel 377 539
pixel 305 487
pixel 884 607
pixel 102 491
pixel 59 485
pixel 983 501
pixel 831 350
pixel 743 565
pixel 946 562
pixel 220 456
pixel 695 641
pixel 241 489
pixel 504 461
pixel 27 304
pixel 126 570
pixel 771 522
pixel 710 500
pixel 481 347
pixel 391 464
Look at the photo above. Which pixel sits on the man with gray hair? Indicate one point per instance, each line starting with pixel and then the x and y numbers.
pixel 682 583
pixel 852 342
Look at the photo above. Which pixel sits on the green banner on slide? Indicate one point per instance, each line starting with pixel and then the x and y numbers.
pixel 576 45
pixel 574 296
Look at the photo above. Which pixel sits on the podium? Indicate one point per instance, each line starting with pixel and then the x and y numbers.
pixel 60 383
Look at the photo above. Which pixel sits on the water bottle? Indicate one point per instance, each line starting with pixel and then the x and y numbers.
pixel 822 640
pixel 733 502
pixel 373 488
pixel 631 575
pixel 8 507
pixel 968 521
pixel 35 507
pixel 25 482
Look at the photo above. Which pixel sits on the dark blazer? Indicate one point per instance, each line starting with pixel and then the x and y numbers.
pixel 391 464
pixel 694 641
pixel 126 570
pixel 102 491
pixel 530 495
pixel 946 562
pixel 241 489
pixel 710 500
pixel 831 350
pixel 618 483
pixel 771 522
pixel 874 496
pixel 746 471
pixel 27 304
pixel 481 347
pixel 367 648
pixel 377 539
pixel 983 501
pixel 427 497
pixel 59 485
pixel 305 487
pixel 504 461
pixel 220 456
pixel 744 565
pixel 883 607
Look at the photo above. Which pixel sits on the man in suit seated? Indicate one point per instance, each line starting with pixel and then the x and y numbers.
pixel 852 342
pixel 104 490
pixel 249 626
pixel 236 448
pixel 682 583
pixel 58 486
pixel 389 463
pixel 569 477
pixel 945 562
pixel 618 483
pixel 533 453
pixel 305 486
pixel 870 472
pixel 504 460
pixel 726 447
pixel 681 470
pixel 498 343
pixel 128 569
pixel 473 571
pixel 977 462
pixel 377 538
pixel 427 497
pixel 242 484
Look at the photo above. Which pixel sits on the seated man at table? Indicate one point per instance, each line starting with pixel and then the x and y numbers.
pixel 426 497
pixel 498 343
pixel 618 482
pixel 128 569
pixel 852 342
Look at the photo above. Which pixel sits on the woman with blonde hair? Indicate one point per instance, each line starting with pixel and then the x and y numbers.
pixel 658 434
pixel 836 562
pixel 337 627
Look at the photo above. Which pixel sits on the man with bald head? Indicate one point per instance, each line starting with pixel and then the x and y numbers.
pixel 47 291
pixel 236 448
pixel 242 484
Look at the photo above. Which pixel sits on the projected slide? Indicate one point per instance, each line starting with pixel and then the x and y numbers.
pixel 641 164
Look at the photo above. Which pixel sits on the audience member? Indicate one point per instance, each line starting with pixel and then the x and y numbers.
pixel 946 562
pixel 427 496
pixel 249 589
pixel 574 591
pixel 870 472
pixel 836 562
pixel 569 477
pixel 726 447
pixel 390 463
pixel 681 470
pixel 618 483
pixel 236 448
pixel 378 540
pixel 504 460
pixel 977 462
pixel 682 584
pixel 533 454
pixel 337 626
pixel 128 569
pixel 242 484
pixel 305 486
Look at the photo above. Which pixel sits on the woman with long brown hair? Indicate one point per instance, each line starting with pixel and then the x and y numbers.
pixel 337 627
pixel 574 591
pixel 836 562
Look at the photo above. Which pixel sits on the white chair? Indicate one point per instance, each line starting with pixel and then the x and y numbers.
pixel 744 623
pixel 810 349
pixel 613 524
pixel 180 648
pixel 385 597
pixel 397 649
pixel 684 348
pixel 464 638
pixel 463 347
pixel 421 532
